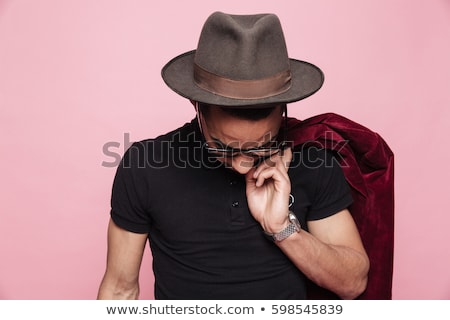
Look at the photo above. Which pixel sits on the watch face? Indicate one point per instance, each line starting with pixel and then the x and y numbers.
pixel 292 216
pixel 294 220
pixel 293 227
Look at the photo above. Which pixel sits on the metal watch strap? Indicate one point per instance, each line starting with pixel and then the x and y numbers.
pixel 293 227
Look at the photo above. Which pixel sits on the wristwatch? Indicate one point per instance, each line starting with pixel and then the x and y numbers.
pixel 293 227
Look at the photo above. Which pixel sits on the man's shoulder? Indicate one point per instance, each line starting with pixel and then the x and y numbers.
pixel 156 151
pixel 186 130
pixel 185 133
pixel 313 156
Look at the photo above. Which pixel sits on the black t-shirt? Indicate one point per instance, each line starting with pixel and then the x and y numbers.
pixel 205 242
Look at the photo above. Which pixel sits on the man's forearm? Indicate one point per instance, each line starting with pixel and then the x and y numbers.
pixel 340 269
pixel 110 291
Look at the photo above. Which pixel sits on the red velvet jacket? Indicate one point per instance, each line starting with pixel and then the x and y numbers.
pixel 368 165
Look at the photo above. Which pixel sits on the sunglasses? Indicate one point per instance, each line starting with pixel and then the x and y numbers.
pixel 270 149
pixel 261 153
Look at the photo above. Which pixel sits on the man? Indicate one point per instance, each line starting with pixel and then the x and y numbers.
pixel 230 208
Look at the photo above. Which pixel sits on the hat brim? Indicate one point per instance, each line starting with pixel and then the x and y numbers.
pixel 178 75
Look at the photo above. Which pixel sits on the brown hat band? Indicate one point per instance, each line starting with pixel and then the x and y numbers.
pixel 242 89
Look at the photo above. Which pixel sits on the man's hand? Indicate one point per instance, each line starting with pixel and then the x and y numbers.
pixel 268 189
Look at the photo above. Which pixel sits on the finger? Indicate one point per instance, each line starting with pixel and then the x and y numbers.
pixel 286 158
pixel 266 163
pixel 249 175
pixel 282 160
pixel 273 173
pixel 269 162
pixel 277 161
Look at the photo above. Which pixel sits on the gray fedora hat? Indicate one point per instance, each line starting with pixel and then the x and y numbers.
pixel 241 60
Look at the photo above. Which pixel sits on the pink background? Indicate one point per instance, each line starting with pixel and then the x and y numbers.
pixel 76 75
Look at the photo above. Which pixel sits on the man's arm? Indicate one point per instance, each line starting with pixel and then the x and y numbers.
pixel 125 251
pixel 331 254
